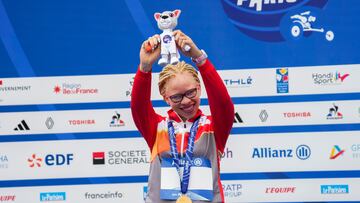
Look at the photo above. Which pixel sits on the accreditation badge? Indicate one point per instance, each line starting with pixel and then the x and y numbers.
pixel 200 183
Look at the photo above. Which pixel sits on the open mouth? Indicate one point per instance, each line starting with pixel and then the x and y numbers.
pixel 188 109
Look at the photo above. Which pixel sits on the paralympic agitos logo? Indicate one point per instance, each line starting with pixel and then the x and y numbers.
pixel 277 20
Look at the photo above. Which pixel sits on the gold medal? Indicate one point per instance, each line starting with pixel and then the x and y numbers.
pixel 183 199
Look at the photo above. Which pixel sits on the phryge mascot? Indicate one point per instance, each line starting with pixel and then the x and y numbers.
pixel 167 21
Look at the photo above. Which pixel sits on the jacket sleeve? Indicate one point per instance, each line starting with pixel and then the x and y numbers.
pixel 221 106
pixel 142 111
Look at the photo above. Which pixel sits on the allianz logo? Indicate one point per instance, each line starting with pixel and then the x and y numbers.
pixel 302 152
pixel 52 196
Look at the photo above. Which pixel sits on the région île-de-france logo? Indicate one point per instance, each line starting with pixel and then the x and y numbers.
pixel 329 78
pixel 282 80
pixel 336 152
pixel 278 20
pixel 74 89
pixel 116 121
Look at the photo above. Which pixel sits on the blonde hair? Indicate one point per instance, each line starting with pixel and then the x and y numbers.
pixel 170 71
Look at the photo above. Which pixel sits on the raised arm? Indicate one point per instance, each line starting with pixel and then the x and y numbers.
pixel 142 110
pixel 221 106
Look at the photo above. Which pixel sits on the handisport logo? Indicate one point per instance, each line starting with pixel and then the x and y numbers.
pixel 277 20
pixel 52 196
pixel 334 189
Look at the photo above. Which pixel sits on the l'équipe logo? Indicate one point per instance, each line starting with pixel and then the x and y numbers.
pixel 302 152
pixel 278 20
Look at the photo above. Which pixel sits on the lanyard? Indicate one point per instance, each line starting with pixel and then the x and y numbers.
pixel 188 154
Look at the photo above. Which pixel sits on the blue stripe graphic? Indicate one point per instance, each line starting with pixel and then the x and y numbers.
pixel 237 131
pixel 12 45
pixel 144 179
pixel 161 103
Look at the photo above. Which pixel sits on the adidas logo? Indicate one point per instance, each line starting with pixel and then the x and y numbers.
pixel 22 126
pixel 237 118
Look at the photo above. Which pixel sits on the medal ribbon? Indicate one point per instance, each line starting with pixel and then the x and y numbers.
pixel 188 154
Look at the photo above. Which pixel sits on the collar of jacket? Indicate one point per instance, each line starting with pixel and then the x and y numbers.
pixel 175 117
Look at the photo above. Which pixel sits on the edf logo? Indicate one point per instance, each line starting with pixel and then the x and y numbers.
pixel 50 160
pixel 58 159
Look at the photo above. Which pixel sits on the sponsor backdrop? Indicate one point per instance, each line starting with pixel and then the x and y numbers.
pixel 292 68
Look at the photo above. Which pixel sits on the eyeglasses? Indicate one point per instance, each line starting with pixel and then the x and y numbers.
pixel 177 98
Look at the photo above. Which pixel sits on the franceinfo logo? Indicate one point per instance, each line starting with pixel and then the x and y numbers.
pixel 334 189
pixel 52 196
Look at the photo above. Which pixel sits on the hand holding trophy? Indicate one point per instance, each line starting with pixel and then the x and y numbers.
pixel 167 21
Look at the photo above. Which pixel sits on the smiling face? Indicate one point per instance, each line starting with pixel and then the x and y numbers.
pixel 183 85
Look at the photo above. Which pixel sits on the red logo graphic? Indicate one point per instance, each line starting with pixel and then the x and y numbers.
pixel 297 114
pixel 7 198
pixel 98 158
pixel 34 161
pixel 334 155
pixel 342 78
pixel 82 122
pixel 57 89
pixel 1 82
pixel 74 89
pixel 280 190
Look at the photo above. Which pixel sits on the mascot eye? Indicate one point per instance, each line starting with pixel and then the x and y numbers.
pixel 171 14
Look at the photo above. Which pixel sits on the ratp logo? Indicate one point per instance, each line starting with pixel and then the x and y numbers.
pixel 277 20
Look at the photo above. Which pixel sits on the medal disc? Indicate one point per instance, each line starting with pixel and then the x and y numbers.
pixel 183 199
